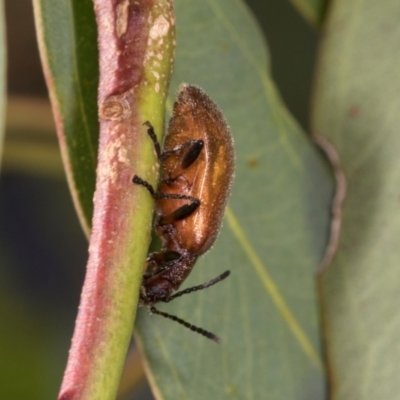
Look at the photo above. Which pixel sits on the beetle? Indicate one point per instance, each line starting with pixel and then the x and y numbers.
pixel 197 171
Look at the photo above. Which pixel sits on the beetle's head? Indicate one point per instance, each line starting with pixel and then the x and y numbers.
pixel 155 289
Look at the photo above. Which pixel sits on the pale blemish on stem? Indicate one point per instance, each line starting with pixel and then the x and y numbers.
pixel 160 28
pixel 116 154
pixel 116 108
pixel 122 17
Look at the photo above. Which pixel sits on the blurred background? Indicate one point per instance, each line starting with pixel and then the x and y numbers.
pixel 43 250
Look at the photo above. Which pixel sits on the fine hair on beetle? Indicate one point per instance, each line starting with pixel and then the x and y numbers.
pixel 197 163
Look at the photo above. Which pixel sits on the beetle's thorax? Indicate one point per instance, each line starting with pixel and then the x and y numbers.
pixel 161 285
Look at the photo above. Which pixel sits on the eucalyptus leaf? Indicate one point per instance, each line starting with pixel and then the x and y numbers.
pixel 68 47
pixel 273 237
pixel 357 103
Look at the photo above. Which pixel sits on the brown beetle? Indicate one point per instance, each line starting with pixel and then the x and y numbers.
pixel 197 167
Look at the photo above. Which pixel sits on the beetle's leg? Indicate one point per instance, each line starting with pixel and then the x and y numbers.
pixel 192 154
pixel 140 181
pixel 161 260
pixel 199 287
pixel 195 147
pixel 187 209
pixel 185 155
pixel 181 212
pixel 153 137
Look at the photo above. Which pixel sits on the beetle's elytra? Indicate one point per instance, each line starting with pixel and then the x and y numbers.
pixel 197 170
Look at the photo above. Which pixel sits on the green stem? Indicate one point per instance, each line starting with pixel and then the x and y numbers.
pixel 136 49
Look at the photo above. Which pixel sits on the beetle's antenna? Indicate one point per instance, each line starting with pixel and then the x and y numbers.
pixel 199 287
pixel 193 328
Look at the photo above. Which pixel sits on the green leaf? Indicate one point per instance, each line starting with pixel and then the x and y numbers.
pixel 313 11
pixel 68 47
pixel 357 103
pixel 273 237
